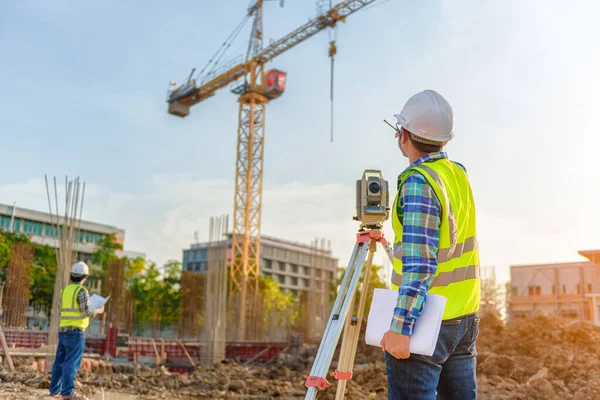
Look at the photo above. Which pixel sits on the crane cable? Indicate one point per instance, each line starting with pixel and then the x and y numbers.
pixel 332 53
pixel 224 47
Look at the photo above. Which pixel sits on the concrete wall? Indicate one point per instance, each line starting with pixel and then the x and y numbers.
pixel 564 289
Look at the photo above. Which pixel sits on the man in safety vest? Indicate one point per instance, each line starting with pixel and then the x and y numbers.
pixel 75 314
pixel 435 251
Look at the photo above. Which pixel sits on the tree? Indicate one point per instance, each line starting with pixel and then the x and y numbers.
pixel 43 275
pixel 375 281
pixel 156 292
pixel 4 250
pixel 273 299
pixel 107 252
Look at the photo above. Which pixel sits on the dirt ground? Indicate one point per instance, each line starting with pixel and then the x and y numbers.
pixel 539 358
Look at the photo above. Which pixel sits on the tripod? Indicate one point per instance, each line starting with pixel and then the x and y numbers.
pixel 342 318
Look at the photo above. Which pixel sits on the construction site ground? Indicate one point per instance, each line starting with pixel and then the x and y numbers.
pixel 537 358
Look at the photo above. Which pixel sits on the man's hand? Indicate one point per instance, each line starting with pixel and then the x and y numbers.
pixel 396 344
pixel 100 310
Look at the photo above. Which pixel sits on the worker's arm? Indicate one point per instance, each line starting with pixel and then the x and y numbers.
pixel 84 304
pixel 420 211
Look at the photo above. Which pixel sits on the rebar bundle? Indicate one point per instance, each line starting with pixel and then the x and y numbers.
pixel 66 226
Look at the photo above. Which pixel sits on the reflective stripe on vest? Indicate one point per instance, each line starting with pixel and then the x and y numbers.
pixel 457 275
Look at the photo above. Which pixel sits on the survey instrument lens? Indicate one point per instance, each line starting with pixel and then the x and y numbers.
pixel 374 187
pixel 372 200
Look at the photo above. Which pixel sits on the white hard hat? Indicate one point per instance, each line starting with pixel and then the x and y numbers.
pixel 428 116
pixel 80 268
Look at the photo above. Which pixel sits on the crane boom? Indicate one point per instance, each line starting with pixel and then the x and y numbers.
pixel 187 95
pixel 257 90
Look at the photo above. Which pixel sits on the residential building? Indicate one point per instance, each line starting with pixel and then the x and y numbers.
pixel 296 267
pixel 565 289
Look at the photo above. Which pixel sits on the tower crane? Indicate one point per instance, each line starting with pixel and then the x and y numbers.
pixel 257 89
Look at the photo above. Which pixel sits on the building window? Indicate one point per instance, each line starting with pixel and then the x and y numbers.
pixel 318 273
pixel 281 266
pixel 16 224
pixel 305 270
pixel 534 290
pixel 295 293
pixel 268 264
pixel 294 281
pixel 31 227
pixel 331 275
pixel 4 222
pixel 267 275
pixel 92 237
pixel 50 231
pixel 294 268
pixel 203 266
pixel 589 287
pixel 281 279
pixel 305 282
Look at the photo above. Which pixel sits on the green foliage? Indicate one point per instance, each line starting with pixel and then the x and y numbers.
pixel 107 248
pixel 43 274
pixel 134 267
pixel 157 294
pixel 44 266
pixel 375 281
pixel 7 240
pixel 4 251
pixel 274 299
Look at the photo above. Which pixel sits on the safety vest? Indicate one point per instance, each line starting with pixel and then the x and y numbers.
pixel 70 315
pixel 457 275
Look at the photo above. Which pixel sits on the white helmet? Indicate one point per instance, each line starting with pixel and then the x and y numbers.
pixel 80 268
pixel 428 116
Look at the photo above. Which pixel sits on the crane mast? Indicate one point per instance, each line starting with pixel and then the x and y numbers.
pixel 245 257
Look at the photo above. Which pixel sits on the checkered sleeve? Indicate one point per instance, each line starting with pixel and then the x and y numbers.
pixel 83 298
pixel 420 216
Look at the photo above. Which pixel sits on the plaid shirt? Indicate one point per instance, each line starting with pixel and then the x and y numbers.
pixel 419 212
pixel 83 298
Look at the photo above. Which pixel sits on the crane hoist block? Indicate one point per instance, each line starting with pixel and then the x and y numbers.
pixel 275 84
pixel 178 109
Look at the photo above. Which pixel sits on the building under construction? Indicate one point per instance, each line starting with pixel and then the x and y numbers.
pixel 296 267
pixel 306 271
pixel 566 289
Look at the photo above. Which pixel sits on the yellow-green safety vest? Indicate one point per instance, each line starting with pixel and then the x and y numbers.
pixel 457 276
pixel 70 315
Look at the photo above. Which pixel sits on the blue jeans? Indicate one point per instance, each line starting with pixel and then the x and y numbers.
pixel 67 362
pixel 449 373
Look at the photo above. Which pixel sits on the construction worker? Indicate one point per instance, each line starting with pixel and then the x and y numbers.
pixel 435 251
pixel 75 314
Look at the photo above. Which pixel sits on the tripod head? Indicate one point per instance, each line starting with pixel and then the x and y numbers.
pixel 372 200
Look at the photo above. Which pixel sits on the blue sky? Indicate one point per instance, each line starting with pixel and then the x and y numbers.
pixel 84 94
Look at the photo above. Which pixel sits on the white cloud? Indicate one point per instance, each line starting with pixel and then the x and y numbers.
pixel 161 220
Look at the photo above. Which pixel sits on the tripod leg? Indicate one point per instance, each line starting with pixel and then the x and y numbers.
pixel 352 330
pixel 334 328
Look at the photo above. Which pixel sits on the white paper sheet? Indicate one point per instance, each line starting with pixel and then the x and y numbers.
pixel 98 301
pixel 427 327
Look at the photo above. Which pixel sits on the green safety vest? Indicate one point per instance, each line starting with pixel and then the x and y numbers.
pixel 457 275
pixel 70 315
